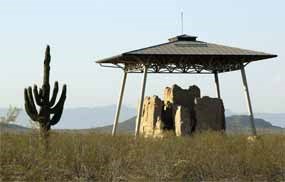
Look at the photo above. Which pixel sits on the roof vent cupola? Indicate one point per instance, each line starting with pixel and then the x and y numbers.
pixel 183 37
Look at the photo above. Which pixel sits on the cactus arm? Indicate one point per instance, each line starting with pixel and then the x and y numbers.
pixel 54 94
pixel 37 96
pixel 56 117
pixel 31 99
pixel 28 107
pixel 61 101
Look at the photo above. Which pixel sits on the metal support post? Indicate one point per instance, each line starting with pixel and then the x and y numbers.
pixel 217 84
pixel 140 108
pixel 246 91
pixel 116 120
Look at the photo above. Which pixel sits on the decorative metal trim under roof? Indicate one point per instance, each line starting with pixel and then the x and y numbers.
pixel 185 54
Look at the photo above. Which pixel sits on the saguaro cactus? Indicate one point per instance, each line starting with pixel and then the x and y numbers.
pixel 49 113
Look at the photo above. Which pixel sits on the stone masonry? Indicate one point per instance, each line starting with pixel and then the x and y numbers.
pixel 182 112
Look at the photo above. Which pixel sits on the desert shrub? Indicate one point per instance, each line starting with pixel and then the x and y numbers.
pixel 11 115
pixel 99 157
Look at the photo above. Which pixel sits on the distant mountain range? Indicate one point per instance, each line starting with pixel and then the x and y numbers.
pixel 13 128
pixel 84 118
pixel 234 124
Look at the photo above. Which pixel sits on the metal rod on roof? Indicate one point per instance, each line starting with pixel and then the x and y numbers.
pixel 182 22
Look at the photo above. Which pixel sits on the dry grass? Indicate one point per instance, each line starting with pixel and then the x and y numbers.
pixel 98 157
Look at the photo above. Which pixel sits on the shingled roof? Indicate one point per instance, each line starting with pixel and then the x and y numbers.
pixel 187 49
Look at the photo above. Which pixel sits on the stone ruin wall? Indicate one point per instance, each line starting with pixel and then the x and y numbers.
pixel 181 111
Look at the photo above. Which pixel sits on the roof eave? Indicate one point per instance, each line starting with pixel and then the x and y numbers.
pixel 110 59
pixel 119 58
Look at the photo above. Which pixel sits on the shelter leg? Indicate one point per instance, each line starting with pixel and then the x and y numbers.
pixel 245 85
pixel 116 120
pixel 217 84
pixel 140 108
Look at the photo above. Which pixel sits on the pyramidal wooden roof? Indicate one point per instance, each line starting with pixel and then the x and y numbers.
pixel 187 50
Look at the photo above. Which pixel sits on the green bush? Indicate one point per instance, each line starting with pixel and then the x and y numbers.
pixel 99 157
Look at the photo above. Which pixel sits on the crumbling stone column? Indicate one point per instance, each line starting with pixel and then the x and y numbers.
pixel 152 107
pixel 210 114
pixel 182 120
pixel 178 96
pixel 182 103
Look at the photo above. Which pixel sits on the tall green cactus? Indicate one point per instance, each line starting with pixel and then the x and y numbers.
pixel 49 113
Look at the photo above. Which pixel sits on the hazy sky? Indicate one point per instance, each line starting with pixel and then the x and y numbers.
pixel 82 31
